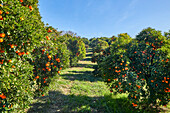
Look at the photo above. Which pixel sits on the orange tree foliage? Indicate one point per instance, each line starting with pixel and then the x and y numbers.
pixel 140 68
pixel 101 49
pixel 21 36
pixel 30 53
pixel 77 49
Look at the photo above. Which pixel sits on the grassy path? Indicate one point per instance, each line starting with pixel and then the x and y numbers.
pixel 77 90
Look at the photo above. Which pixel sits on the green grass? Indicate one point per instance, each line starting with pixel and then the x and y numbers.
pixel 77 90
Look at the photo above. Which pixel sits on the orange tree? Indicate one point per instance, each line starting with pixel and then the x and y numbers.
pixel 77 49
pixel 140 69
pixel 166 48
pixel 24 42
pixel 46 63
pixel 82 50
pixel 86 42
pixel 60 44
pixel 17 41
pixel 101 49
pixel 98 47
pixel 98 57
pixel 30 53
pixel 107 62
pixel 64 55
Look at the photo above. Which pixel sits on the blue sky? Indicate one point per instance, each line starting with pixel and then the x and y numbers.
pixel 96 18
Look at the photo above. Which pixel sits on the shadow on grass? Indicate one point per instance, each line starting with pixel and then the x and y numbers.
pixel 89 55
pixel 56 102
pixel 81 76
pixel 84 65
pixel 89 50
pixel 87 59
pixel 81 72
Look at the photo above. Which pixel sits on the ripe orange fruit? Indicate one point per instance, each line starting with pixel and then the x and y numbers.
pixel 1 39
pixel 47 38
pixel 3 96
pixel 9 61
pixel 47 64
pixel 12 46
pixel 22 53
pixel 7 12
pixel 19 53
pixel 43 50
pixel 49 69
pixel 27 53
pixel 37 77
pixel 1 11
pixel 49 56
pixel 58 60
pixel 30 7
pixel 21 18
pixel 2 35
pixel 126 68
pixel 49 31
pixel 1 18
pixel 138 86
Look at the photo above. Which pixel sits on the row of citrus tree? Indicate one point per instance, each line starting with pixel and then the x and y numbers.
pixel 137 66
pixel 30 53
